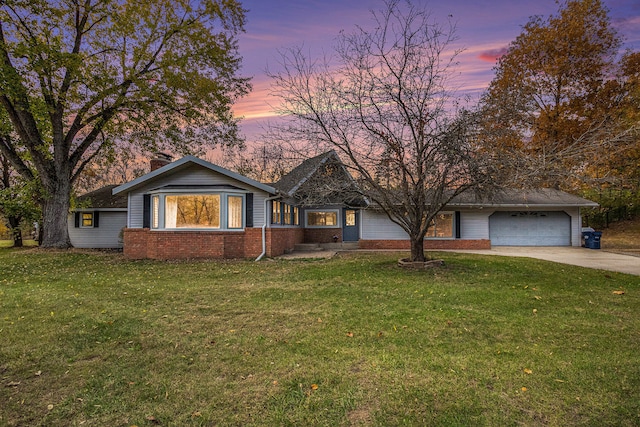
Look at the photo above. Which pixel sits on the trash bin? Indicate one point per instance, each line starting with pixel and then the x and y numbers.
pixel 586 231
pixel 592 239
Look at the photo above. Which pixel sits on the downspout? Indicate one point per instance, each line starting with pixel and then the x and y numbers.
pixel 264 226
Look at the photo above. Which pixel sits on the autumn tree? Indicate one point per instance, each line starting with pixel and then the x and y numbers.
pixel 550 112
pixel 17 201
pixel 77 75
pixel 385 102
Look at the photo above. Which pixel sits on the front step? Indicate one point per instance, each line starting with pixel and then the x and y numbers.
pixel 344 246
pixel 307 247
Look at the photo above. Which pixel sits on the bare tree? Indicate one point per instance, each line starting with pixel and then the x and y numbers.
pixel 386 103
pixel 265 162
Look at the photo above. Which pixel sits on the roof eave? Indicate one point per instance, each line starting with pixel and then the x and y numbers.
pixel 183 162
pixel 523 205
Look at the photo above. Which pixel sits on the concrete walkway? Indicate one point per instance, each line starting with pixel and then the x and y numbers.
pixel 582 257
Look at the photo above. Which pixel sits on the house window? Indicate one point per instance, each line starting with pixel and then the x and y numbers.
pixel 192 211
pixel 234 211
pixel 441 226
pixel 296 216
pixel 217 211
pixel 322 218
pixel 350 218
pixel 155 212
pixel 86 220
pixel 287 214
pixel 276 216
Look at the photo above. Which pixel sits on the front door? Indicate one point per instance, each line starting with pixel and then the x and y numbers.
pixel 350 225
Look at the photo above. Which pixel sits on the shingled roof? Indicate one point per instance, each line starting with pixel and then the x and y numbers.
pixel 289 183
pixel 522 198
pixel 103 198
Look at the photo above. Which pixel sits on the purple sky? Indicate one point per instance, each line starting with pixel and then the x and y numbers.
pixel 484 28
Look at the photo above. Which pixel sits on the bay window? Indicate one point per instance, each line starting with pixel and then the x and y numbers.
pixel 212 211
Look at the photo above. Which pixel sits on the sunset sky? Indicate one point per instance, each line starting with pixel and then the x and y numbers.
pixel 484 28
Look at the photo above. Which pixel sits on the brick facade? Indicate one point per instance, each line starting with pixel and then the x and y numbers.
pixel 322 235
pixel 140 243
pixel 428 244
pixel 283 240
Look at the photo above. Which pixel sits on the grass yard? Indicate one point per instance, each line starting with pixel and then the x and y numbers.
pixel 622 236
pixel 89 339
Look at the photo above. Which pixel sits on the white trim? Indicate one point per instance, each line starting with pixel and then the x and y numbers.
pixel 223 211
pixel 184 162
pixel 93 219
pixel 99 209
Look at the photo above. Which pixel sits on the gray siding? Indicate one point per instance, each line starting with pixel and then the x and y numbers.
pixel 194 175
pixel 107 235
pixel 474 224
pixel 377 226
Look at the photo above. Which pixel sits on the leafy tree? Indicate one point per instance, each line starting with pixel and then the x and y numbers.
pixel 386 105
pixel 77 75
pixel 551 111
pixel 17 200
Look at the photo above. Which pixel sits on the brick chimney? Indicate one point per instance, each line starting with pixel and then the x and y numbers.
pixel 159 160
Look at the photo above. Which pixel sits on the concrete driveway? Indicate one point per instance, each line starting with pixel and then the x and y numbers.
pixel 583 257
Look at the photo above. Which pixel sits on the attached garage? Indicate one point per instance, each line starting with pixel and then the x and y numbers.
pixel 530 228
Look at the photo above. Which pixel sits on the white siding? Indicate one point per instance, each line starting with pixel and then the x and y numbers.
pixel 194 175
pixel 474 224
pixel 106 235
pixel 377 226
pixel 576 226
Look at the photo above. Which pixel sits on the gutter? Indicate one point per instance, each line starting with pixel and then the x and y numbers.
pixel 264 227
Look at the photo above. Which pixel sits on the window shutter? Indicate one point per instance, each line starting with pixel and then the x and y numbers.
pixel 146 211
pixel 96 219
pixel 457 225
pixel 249 210
pixel 76 222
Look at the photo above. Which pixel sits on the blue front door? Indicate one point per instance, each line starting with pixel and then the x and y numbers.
pixel 350 225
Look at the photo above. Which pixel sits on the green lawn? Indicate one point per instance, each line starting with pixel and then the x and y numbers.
pixel 9 243
pixel 89 339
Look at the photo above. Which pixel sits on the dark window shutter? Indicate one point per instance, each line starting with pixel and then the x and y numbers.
pixel 96 219
pixel 146 211
pixel 77 220
pixel 249 209
pixel 457 224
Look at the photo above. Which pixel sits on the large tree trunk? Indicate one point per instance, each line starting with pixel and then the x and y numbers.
pixel 417 249
pixel 55 211
pixel 14 224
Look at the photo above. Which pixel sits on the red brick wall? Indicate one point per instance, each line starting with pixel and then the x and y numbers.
pixel 282 240
pixel 135 242
pixel 428 244
pixel 322 235
pixel 142 243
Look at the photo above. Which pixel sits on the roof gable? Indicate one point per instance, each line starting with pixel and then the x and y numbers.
pixel 322 180
pixel 184 163
pixel 301 173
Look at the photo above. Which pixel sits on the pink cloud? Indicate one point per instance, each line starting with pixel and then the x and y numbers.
pixel 492 55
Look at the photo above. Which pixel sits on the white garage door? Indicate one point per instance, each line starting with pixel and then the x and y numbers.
pixel 530 229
